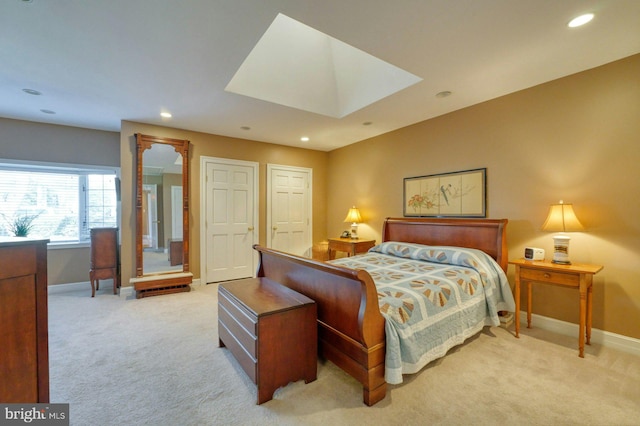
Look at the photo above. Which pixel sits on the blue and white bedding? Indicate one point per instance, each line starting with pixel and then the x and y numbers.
pixel 432 298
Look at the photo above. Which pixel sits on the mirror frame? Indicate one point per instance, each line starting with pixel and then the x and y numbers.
pixel 181 146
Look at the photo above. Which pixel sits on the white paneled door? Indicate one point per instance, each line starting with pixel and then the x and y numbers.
pixel 230 219
pixel 176 212
pixel 150 216
pixel 289 209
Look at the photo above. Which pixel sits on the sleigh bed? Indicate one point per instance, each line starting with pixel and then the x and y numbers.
pixel 351 327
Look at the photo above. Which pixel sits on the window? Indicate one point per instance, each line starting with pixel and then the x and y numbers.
pixel 61 203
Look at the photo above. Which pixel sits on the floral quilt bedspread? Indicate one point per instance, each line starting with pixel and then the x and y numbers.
pixel 433 298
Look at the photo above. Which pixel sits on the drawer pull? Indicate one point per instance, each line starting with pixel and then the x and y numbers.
pixel 547 275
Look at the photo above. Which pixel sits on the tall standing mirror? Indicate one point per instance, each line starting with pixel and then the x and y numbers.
pixel 162 215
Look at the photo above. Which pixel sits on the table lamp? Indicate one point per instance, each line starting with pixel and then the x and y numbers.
pixel 561 218
pixel 354 217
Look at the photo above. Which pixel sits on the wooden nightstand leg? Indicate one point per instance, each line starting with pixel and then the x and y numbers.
pixel 517 297
pixel 589 312
pixel 583 314
pixel 529 304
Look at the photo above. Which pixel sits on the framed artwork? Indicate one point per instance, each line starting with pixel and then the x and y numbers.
pixel 456 194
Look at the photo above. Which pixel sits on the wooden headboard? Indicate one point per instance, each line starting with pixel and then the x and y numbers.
pixel 488 235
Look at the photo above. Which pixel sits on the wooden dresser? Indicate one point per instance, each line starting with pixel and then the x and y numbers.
pixel 271 330
pixel 175 251
pixel 105 258
pixel 24 334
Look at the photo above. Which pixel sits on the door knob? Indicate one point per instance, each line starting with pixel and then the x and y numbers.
pixel 250 228
pixel 275 228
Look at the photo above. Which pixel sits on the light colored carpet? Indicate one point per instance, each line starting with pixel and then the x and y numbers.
pixel 156 361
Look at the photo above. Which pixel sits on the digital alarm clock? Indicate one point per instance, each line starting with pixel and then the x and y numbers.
pixel 533 253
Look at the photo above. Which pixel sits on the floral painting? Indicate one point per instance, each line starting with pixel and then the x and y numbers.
pixel 448 194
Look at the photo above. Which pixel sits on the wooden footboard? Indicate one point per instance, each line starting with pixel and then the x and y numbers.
pixel 350 326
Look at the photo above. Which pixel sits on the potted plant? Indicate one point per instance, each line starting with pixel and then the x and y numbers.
pixel 20 226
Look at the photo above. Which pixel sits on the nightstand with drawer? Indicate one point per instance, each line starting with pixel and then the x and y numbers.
pixel 271 331
pixel 351 246
pixel 577 275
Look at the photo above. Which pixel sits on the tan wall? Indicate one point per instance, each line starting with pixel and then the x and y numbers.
pixel 574 139
pixel 69 265
pixel 28 141
pixel 208 145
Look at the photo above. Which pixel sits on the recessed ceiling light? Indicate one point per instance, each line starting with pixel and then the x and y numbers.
pixel 47 111
pixel 32 92
pixel 166 114
pixel 245 128
pixel 580 20
pixel 443 94
pixel 304 139
pixel 367 123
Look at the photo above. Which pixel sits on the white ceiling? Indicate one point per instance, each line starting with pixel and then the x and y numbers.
pixel 100 62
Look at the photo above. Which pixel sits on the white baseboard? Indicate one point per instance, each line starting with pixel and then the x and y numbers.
pixel 604 338
pixel 127 292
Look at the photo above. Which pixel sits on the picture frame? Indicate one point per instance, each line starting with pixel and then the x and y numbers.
pixel 455 194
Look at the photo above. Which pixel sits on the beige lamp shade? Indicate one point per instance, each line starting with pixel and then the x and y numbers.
pixel 561 218
pixel 353 216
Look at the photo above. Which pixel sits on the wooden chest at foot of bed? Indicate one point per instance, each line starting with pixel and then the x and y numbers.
pixel 271 331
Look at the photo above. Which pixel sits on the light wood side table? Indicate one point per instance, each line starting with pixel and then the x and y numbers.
pixel 351 246
pixel 576 275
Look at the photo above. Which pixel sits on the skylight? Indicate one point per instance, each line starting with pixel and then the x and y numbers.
pixel 300 67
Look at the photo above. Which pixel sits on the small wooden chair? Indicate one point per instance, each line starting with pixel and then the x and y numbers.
pixel 104 258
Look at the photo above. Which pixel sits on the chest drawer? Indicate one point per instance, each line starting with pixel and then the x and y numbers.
pixel 549 276
pixel 239 351
pixel 228 317
pixel 247 319
pixel 17 262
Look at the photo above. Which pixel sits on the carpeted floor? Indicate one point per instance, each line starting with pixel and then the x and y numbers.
pixel 156 361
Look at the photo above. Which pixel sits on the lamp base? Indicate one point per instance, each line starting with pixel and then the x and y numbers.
pixel 561 250
pixel 354 231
